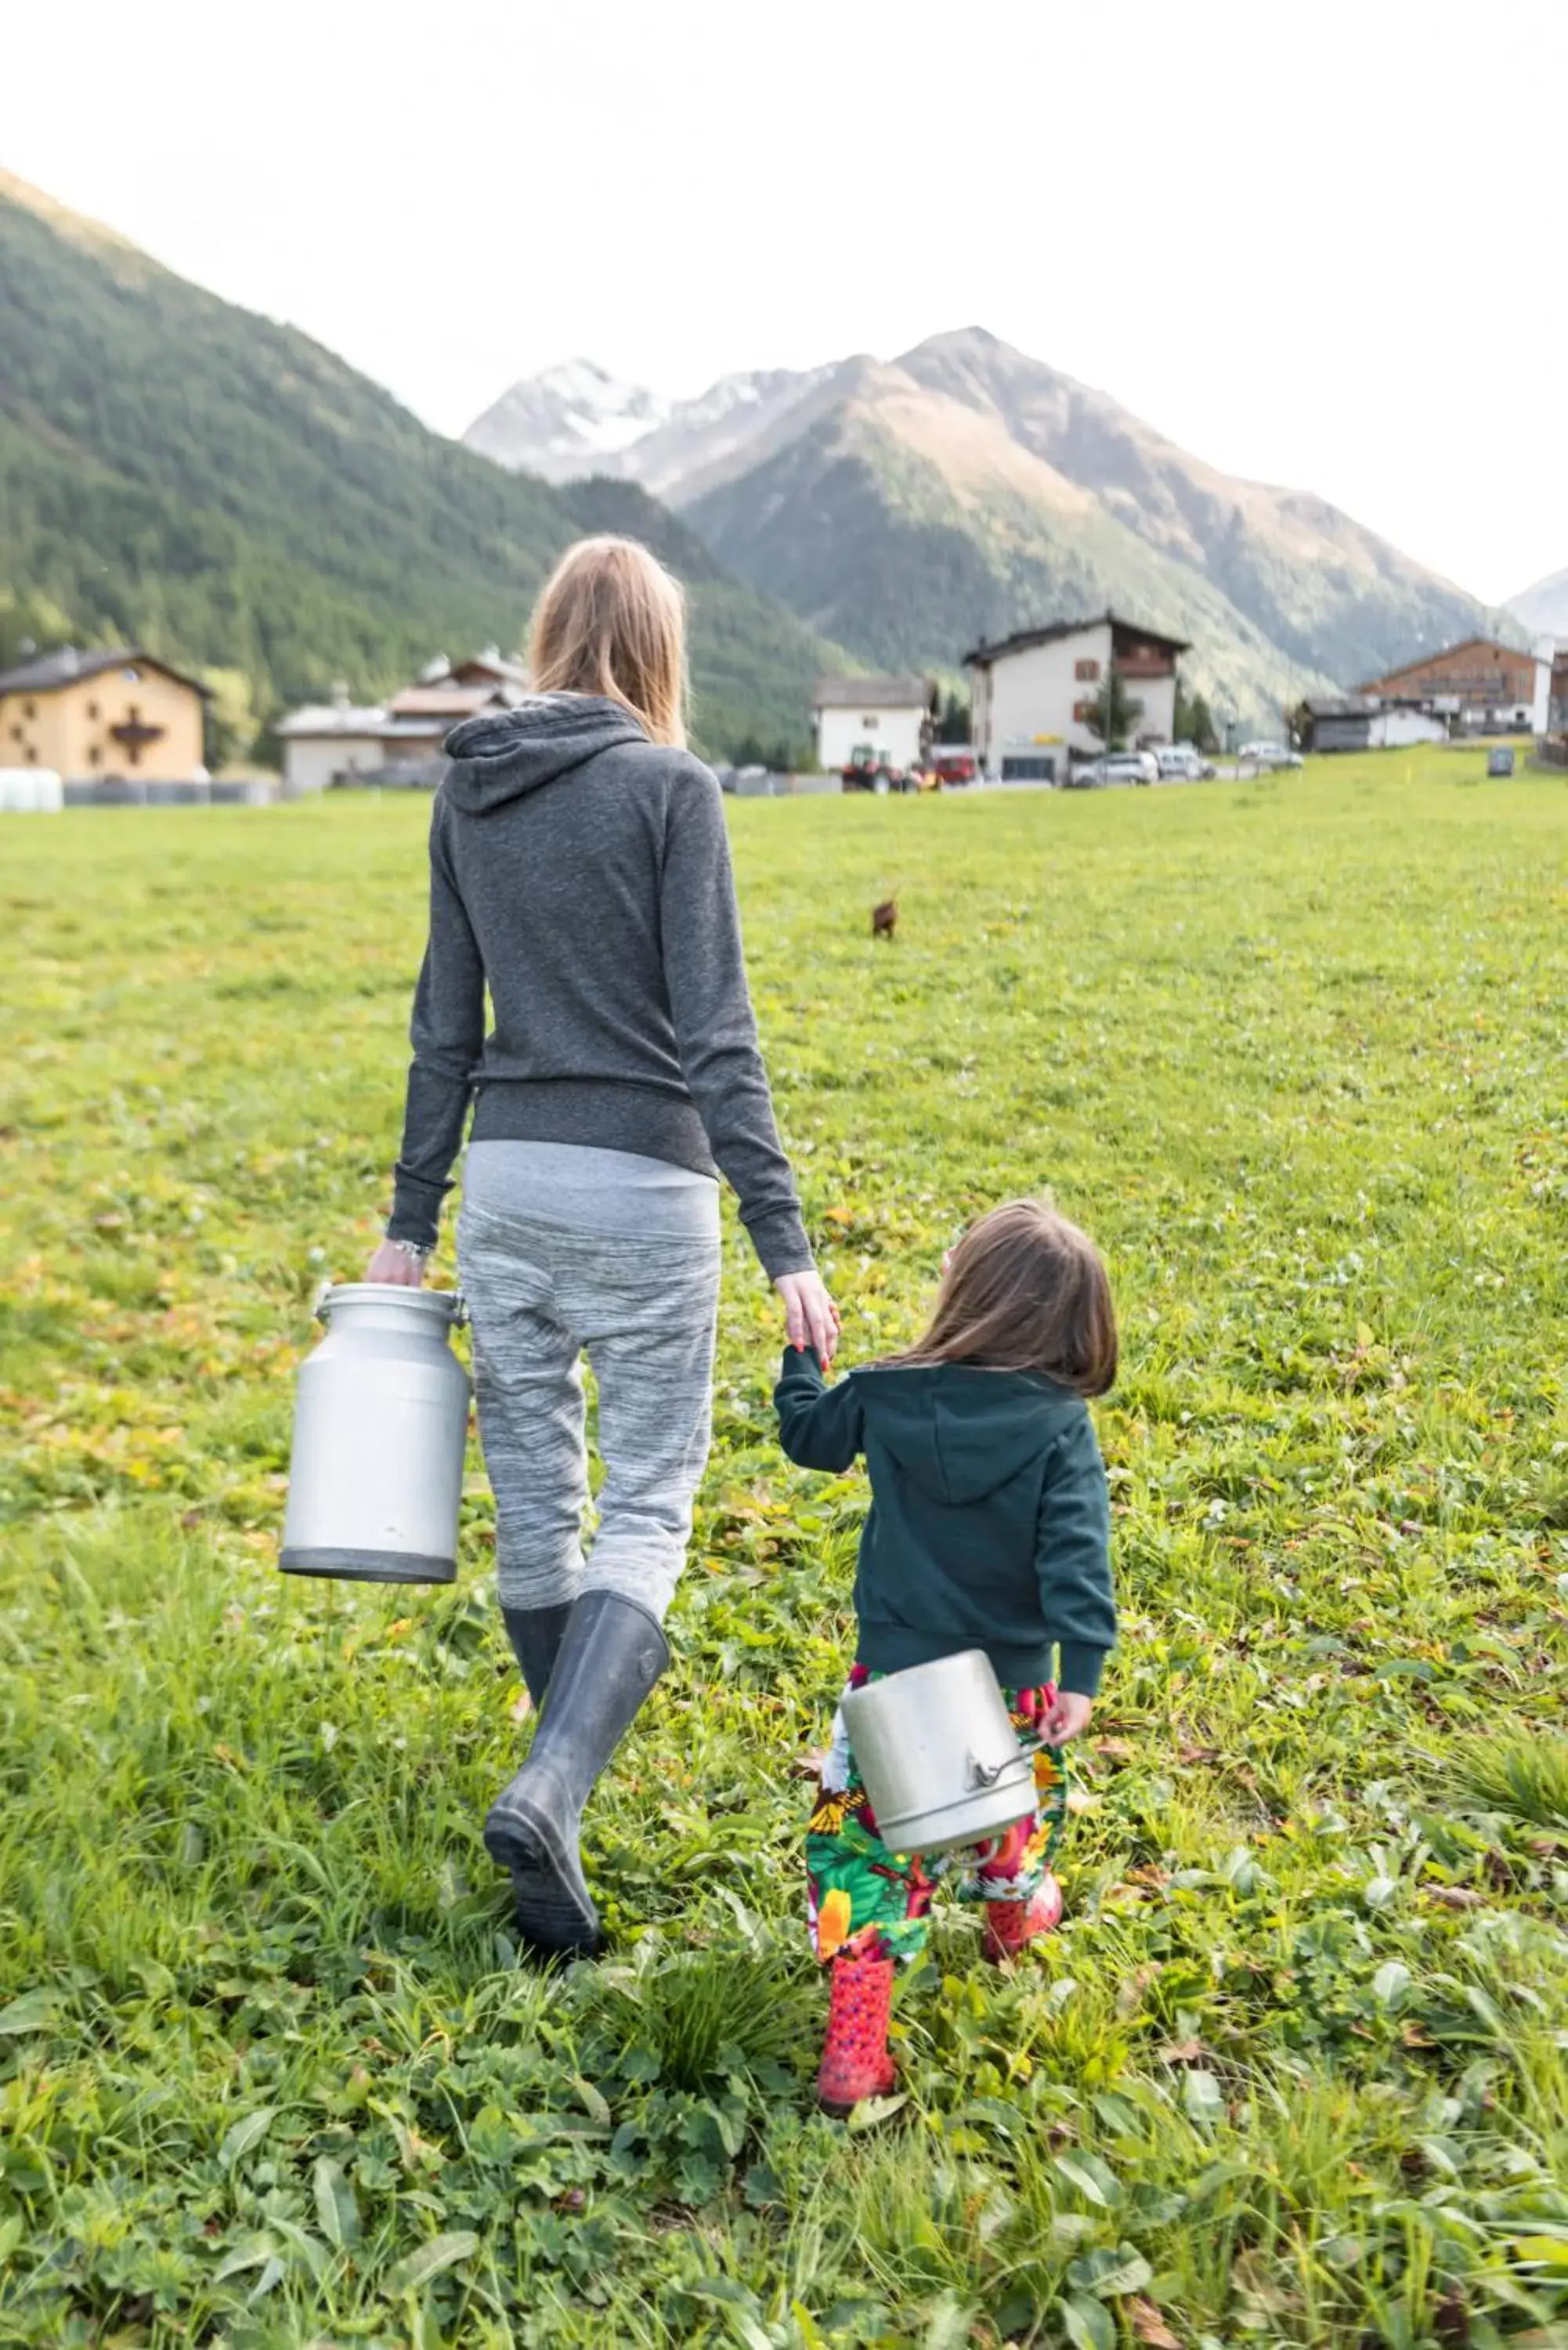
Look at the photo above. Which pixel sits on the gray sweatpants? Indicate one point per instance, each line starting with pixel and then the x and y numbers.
pixel 561 1252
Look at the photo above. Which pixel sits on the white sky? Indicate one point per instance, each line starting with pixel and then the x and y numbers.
pixel 1319 243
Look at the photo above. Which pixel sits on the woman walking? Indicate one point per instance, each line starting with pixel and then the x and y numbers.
pixel 580 873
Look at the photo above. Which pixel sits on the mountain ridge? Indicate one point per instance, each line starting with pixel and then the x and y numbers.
pixel 1542 606
pixel 1031 487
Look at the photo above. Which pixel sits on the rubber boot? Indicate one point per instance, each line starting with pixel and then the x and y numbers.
pixel 855 2059
pixel 1011 1926
pixel 535 1634
pixel 610 1656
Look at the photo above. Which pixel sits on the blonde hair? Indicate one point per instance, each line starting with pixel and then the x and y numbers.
pixel 611 620
pixel 1026 1291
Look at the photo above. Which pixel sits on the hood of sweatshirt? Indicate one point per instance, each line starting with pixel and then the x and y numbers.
pixel 959 1433
pixel 500 755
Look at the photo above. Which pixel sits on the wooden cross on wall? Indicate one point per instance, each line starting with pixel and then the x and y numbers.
pixel 133 736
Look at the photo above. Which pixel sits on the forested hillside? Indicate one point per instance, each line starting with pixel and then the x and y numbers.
pixel 182 473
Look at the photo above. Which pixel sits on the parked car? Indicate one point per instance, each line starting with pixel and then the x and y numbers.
pixel 1269 754
pixel 1180 763
pixel 1119 767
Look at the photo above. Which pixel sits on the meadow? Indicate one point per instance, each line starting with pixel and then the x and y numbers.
pixel 1295 2068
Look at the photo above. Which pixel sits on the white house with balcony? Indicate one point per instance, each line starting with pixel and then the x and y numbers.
pixel 1036 692
pixel 875 721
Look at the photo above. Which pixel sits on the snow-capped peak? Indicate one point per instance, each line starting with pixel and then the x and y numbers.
pixel 561 421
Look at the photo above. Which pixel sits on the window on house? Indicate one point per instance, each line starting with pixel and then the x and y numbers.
pixel 29 710
pixel 94 755
pixel 1082 712
pixel 1086 671
pixel 16 733
pixel 92 710
pixel 869 724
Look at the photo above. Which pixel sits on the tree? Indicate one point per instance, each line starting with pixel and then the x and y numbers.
pixel 952 719
pixel 29 625
pixel 1195 720
pixel 230 725
pixel 1113 714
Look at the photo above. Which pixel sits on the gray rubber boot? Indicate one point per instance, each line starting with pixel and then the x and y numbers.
pixel 612 1654
pixel 535 1634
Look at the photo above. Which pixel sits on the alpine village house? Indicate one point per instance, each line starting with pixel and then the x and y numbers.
pixel 102 714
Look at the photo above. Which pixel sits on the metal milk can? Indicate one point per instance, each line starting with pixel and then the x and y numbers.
pixel 380 1423
pixel 942 1763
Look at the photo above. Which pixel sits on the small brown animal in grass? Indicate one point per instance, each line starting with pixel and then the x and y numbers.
pixel 885 918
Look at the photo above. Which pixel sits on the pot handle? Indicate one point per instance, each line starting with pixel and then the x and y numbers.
pixel 986 1774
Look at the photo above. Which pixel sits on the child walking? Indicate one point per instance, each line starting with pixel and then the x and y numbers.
pixel 988 1528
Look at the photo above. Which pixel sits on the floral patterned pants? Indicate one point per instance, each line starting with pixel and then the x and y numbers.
pixel 864 1901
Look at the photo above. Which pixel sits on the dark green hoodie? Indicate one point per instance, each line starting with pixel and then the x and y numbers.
pixel 990 1522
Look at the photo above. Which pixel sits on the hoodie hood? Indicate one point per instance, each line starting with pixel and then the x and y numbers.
pixel 958 1433
pixel 500 755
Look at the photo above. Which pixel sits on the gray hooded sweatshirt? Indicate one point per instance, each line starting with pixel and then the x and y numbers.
pixel 582 874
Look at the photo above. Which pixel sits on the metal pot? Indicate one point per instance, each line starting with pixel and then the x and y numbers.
pixel 942 1763
pixel 380 1425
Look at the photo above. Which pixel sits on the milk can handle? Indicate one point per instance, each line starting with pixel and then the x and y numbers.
pixel 459 1305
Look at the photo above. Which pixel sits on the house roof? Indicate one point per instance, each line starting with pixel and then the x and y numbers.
pixel 1424 663
pixel 330 718
pixel 871 693
pixel 1023 641
pixel 67 666
pixel 489 663
pixel 443 700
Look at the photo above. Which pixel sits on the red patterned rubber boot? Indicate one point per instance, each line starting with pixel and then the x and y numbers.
pixel 1011 1926
pixel 855 2059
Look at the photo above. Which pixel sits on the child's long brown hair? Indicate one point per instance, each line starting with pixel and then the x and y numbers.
pixel 1025 1291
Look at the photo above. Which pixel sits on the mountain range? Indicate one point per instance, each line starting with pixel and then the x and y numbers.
pixel 907 508
pixel 181 473
pixel 177 472
pixel 1543 608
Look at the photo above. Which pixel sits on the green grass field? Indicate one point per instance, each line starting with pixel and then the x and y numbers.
pixel 1296 2068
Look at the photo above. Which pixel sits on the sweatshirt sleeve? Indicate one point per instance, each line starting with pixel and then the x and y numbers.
pixel 1073 1558
pixel 447 1031
pixel 819 1427
pixel 715 1032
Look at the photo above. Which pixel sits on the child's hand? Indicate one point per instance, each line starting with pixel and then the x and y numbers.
pixel 1068 1716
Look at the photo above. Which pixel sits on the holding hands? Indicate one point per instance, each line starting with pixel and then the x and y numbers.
pixel 811 1317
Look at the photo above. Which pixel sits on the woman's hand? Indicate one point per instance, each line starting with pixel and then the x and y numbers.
pixel 1068 1716
pixel 394 1264
pixel 811 1317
